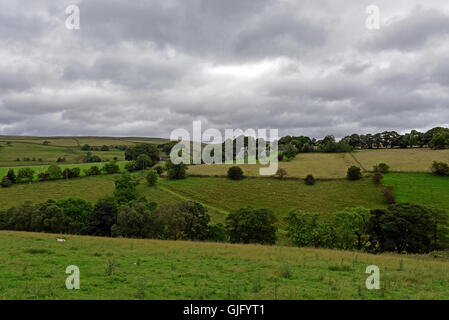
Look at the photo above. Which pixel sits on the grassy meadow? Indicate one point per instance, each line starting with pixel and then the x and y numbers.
pixel 321 165
pixel 402 160
pixel 32 266
pixel 48 154
pixel 420 188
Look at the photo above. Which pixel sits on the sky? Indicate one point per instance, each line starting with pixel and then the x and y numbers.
pixel 146 68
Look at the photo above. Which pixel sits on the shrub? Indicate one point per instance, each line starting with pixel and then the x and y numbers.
pixel 111 167
pixel 89 158
pixel 25 175
pixel 382 168
pixel 152 178
pixel 43 176
pixel 11 176
pixel 235 173
pixel 5 183
pixel 71 173
pixel 281 173
pixel 54 172
pixel 249 225
pixel 290 151
pixel 354 173
pixel 388 195
pixel 310 180
pixel 377 177
pixel 159 170
pixel 131 166
pixel 280 157
pixel 309 229
pixel 217 233
pixel 440 168
pixel 92 171
pixel 125 189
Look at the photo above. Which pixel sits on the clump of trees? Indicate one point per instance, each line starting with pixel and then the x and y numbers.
pixel 151 150
pixel 402 227
pixel 249 225
pixel 90 158
pixel 176 171
pixel 436 138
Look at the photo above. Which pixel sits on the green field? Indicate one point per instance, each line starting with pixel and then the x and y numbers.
pixel 279 196
pixel 421 188
pixel 33 266
pixel 48 154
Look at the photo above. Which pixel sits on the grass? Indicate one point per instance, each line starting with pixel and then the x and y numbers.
pixel 279 196
pixel 420 188
pixel 48 154
pixel 33 267
pixel 321 165
pixel 405 160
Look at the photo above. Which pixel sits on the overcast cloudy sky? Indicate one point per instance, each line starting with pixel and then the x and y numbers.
pixel 144 68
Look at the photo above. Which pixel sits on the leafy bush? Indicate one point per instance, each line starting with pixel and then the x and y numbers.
pixel 350 227
pixel 377 177
pixel 387 193
pixel 281 173
pixel 159 169
pixel 71 173
pixel 152 177
pixel 307 229
pixel 125 189
pixel 89 158
pixel 248 225
pixel 235 173
pixel 440 168
pixel 92 171
pixel 290 151
pixel 354 173
pixel 54 172
pixel 11 176
pixel 131 166
pixel 111 167
pixel 382 168
pixel 25 175
pixel 310 180
pixel 5 183
pixel 43 176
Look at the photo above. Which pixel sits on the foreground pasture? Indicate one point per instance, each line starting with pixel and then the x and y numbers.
pixel 32 266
